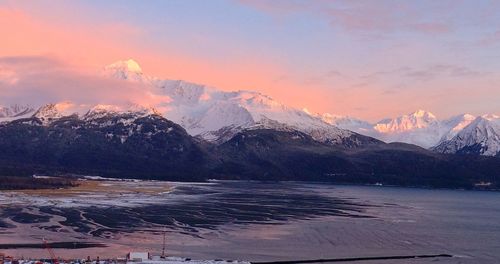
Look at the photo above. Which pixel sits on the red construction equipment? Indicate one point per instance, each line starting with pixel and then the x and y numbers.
pixel 51 252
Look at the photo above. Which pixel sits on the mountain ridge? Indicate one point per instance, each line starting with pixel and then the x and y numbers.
pixel 146 145
pixel 212 114
pixel 480 137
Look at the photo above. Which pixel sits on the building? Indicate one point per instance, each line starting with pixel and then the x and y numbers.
pixel 138 256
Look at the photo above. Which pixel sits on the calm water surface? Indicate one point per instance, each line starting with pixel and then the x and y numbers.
pixel 264 221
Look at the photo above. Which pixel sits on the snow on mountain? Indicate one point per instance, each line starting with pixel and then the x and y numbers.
pixel 125 114
pixel 417 120
pixel 51 112
pixel 126 70
pixel 421 127
pixel 181 92
pixel 207 111
pixel 481 136
pixel 216 115
pixel 211 113
pixel 349 123
pixel 490 117
pixel 245 108
pixel 103 110
pixel 15 111
pixel 455 124
pixel 221 114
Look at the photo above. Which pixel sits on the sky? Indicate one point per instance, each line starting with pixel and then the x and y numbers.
pixel 366 59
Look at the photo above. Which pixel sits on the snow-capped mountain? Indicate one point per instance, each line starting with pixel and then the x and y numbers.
pixel 121 120
pixel 481 136
pixel 201 110
pixel 216 115
pixel 455 124
pixel 15 111
pixel 51 112
pixel 211 113
pixel 417 120
pixel 126 70
pixel 103 142
pixel 420 128
pixel 207 111
pixel 347 122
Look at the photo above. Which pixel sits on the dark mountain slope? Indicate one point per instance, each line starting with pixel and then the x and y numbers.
pixel 148 146
pixel 143 147
pixel 279 155
pixel 265 154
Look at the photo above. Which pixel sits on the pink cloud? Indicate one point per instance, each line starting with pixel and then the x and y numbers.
pixel 41 80
pixel 374 17
pixel 86 48
pixel 432 28
pixel 78 44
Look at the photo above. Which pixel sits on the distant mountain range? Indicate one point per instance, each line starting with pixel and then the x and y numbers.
pixel 216 115
pixel 481 136
pixel 424 129
pixel 143 144
pixel 203 132
pixel 467 133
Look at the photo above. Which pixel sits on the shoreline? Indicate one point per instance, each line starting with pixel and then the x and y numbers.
pixel 97 179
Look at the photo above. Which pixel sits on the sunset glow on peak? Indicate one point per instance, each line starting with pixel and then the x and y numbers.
pixel 126 65
pixel 366 59
pixel 249 131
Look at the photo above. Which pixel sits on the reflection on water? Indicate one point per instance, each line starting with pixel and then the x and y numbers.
pixel 190 208
pixel 264 221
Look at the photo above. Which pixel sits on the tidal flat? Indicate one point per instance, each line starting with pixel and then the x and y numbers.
pixel 252 221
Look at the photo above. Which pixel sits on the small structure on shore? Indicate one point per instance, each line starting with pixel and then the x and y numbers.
pixel 138 256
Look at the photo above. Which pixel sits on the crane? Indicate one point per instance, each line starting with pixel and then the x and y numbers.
pixel 51 252
pixel 163 249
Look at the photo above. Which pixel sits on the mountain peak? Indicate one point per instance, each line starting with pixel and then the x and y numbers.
pixel 124 70
pixel 15 110
pixel 416 120
pixel 481 136
pixel 422 113
pixel 49 112
pixel 129 65
pixel 490 117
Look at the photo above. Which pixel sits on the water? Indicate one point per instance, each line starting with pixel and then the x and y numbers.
pixel 263 222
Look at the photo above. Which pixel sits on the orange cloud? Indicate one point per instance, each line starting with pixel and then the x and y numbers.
pixel 24 35
pixel 86 48
pixel 80 49
pixel 41 80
